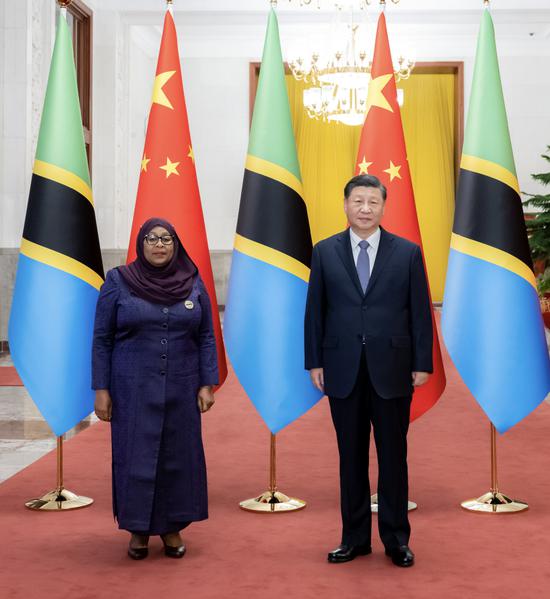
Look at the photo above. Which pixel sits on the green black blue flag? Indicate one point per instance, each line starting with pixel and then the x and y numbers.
pixel 492 321
pixel 60 270
pixel 264 316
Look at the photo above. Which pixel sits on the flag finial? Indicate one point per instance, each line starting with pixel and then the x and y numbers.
pixel 64 3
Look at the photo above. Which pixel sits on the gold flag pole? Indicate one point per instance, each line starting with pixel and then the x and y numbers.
pixel 272 501
pixel 494 502
pixel 60 498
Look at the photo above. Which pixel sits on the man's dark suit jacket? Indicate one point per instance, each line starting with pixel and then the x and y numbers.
pixel 392 320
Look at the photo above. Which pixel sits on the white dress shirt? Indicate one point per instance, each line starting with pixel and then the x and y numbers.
pixel 372 250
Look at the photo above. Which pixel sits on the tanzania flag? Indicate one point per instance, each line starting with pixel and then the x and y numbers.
pixel 492 322
pixel 264 316
pixel 60 271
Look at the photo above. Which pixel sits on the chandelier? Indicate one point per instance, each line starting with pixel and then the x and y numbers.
pixel 338 80
pixel 319 4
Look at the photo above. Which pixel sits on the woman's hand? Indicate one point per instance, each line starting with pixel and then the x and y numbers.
pixel 205 398
pixel 103 405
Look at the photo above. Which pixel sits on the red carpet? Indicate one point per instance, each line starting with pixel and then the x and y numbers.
pixel 237 554
pixel 9 377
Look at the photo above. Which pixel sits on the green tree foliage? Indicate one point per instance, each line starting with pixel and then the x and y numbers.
pixel 538 228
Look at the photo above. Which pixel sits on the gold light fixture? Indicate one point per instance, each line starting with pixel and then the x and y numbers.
pixel 338 81
pixel 319 4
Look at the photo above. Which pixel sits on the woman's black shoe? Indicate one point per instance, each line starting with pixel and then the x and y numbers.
pixel 176 552
pixel 171 551
pixel 138 552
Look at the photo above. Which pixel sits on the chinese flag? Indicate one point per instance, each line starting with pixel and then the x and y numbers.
pixel 382 153
pixel 168 182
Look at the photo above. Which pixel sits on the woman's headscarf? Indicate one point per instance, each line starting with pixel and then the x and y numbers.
pixel 166 284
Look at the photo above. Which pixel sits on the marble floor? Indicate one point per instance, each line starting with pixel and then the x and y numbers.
pixel 24 435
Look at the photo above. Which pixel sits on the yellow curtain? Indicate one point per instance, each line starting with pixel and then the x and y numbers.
pixel 327 153
pixel 428 114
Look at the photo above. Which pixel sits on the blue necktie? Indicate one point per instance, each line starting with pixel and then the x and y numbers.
pixel 363 265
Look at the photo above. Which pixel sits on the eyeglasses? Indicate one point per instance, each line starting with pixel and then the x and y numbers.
pixel 153 239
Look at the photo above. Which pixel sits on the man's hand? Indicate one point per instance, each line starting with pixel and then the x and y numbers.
pixel 318 378
pixel 103 405
pixel 205 398
pixel 419 378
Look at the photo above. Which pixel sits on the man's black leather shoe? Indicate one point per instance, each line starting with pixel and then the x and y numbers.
pixel 401 556
pixel 345 553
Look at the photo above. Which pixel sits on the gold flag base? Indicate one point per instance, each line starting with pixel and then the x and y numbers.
pixel 57 500
pixel 272 502
pixel 60 499
pixel 374 504
pixel 494 503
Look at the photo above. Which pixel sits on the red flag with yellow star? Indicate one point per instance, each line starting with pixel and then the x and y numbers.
pixel 382 153
pixel 168 182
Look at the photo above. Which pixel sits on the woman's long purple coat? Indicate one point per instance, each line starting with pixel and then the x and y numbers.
pixel 153 359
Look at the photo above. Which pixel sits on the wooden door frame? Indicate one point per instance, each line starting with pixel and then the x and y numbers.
pixel 83 58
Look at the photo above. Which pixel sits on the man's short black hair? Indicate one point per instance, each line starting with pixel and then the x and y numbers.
pixel 364 181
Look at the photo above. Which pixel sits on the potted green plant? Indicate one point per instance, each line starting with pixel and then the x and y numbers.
pixel 538 229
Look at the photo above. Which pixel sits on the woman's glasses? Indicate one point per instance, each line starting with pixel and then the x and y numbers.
pixel 153 239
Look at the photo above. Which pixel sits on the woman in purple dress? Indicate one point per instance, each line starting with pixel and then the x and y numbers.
pixel 154 366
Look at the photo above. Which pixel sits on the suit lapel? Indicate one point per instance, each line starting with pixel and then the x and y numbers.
pixel 385 250
pixel 343 249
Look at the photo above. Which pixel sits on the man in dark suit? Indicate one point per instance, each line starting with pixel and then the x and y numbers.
pixel 368 342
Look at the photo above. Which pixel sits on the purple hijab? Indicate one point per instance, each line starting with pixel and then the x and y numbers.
pixel 165 284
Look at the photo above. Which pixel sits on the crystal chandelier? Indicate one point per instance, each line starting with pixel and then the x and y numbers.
pixel 338 82
pixel 319 4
